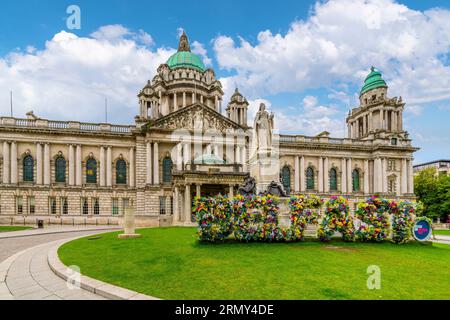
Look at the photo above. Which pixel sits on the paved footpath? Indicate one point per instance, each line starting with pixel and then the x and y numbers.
pixel 26 275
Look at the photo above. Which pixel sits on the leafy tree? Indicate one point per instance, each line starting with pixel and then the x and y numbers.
pixel 434 192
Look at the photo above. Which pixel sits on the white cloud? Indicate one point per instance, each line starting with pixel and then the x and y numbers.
pixel 71 76
pixel 339 42
pixel 199 49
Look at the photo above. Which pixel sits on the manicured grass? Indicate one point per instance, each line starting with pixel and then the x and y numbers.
pixel 442 232
pixel 169 263
pixel 13 228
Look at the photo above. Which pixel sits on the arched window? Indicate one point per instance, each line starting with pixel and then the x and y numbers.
pixel 333 180
pixel 28 169
pixel 167 170
pixel 121 172
pixel 355 178
pixel 310 179
pixel 91 171
pixel 286 178
pixel 60 169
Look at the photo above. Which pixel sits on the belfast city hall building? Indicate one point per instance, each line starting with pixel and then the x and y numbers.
pixel 186 142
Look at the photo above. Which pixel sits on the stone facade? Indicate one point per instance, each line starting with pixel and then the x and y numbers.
pixel 182 145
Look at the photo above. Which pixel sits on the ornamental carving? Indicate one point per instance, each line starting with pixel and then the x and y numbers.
pixel 196 118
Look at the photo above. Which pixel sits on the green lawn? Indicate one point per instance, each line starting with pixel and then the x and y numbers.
pixel 13 228
pixel 169 263
pixel 442 232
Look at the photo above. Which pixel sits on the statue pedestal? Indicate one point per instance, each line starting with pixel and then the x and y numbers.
pixel 264 167
pixel 129 225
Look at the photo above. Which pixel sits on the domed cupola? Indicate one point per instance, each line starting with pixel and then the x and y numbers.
pixel 184 58
pixel 373 81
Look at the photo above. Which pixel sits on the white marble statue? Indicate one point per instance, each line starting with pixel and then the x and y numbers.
pixel 263 129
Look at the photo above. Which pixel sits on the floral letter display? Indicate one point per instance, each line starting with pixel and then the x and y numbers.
pixel 303 212
pixel 256 218
pixel 403 221
pixel 374 216
pixel 214 217
pixel 336 218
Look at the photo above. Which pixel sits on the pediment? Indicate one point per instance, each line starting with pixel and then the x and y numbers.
pixel 196 117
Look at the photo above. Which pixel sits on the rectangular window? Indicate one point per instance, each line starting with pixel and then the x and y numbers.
pixel 162 205
pixel 19 204
pixel 52 205
pixel 84 206
pixel 125 204
pixel 64 206
pixel 95 206
pixel 171 205
pixel 31 205
pixel 115 206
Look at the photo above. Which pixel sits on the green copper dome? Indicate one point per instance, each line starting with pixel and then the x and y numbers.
pixel 373 81
pixel 184 58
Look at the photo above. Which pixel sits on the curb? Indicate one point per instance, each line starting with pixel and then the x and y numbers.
pixel 57 232
pixel 101 288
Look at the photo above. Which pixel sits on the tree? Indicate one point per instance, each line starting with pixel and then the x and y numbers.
pixel 434 192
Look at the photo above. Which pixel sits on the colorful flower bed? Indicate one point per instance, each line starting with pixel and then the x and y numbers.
pixel 214 217
pixel 374 215
pixel 336 218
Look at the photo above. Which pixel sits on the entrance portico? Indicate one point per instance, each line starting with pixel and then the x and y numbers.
pixel 203 180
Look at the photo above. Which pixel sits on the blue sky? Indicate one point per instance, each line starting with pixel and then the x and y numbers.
pixel 305 59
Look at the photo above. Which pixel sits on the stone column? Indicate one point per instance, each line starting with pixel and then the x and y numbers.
pixel 39 165
pixel 176 212
pixel 14 172
pixel 132 182
pixel 187 204
pixel 216 151
pixel 370 121
pixel 175 106
pixel 79 167
pixel 185 153
pixel 404 184
pixel 394 124
pixel 364 125
pixel 184 99
pixel 194 98
pixel 296 174
pixel 71 165
pixel 102 167
pixel 302 174
pixel 201 98
pixel 47 164
pixel 326 175
pixel 149 163
pixel 216 103
pixel 231 192
pixel 410 177
pixel 155 163
pixel 238 155
pixel 377 176
pixel 344 175
pixel 244 158
pixel 109 167
pixel 320 169
pixel 198 190
pixel 400 121
pixel 384 175
pixel 349 176
pixel 366 176
pixel 6 163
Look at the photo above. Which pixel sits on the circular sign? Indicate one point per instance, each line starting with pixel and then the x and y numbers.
pixel 422 230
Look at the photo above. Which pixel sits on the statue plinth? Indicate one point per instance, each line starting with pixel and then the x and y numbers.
pixel 264 167
pixel 129 225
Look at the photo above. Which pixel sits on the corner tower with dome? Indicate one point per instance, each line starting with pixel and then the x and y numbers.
pixel 186 142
